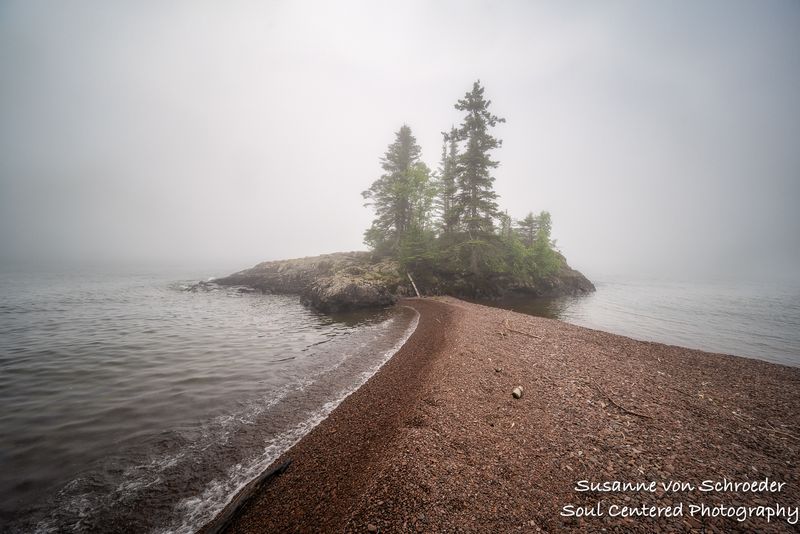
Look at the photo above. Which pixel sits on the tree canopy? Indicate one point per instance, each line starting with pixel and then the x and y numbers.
pixel 400 197
pixel 475 199
pixel 448 223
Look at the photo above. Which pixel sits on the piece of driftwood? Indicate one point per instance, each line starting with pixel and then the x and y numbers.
pixel 224 519
pixel 508 327
pixel 413 284
pixel 780 431
pixel 618 405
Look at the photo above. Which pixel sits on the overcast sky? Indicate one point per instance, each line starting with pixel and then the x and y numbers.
pixel 664 137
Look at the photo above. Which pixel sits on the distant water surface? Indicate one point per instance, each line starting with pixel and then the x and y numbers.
pixel 132 405
pixel 756 320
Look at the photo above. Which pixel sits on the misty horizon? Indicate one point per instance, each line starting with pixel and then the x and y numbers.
pixel 662 139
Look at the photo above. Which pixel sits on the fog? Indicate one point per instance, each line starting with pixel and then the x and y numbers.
pixel 664 137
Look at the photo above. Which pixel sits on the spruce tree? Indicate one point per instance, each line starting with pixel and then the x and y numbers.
pixel 526 229
pixel 506 227
pixel 447 181
pixel 392 195
pixel 474 201
pixel 545 258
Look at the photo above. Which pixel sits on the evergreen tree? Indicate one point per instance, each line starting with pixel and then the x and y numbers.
pixel 447 179
pixel 526 229
pixel 505 225
pixel 390 195
pixel 417 241
pixel 544 225
pixel 545 258
pixel 422 191
pixel 474 202
pixel 442 227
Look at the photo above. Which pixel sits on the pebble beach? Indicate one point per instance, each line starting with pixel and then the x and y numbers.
pixel 435 441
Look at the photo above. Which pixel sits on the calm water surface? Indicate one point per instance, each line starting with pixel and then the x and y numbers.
pixel 756 320
pixel 131 405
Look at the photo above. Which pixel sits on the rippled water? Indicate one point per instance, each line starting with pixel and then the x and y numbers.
pixel 131 405
pixel 757 320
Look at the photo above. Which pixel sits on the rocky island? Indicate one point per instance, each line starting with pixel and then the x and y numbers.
pixel 434 233
pixel 350 280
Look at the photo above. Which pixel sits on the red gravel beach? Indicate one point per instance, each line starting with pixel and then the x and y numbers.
pixel 435 441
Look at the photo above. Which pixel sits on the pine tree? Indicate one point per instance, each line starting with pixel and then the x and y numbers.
pixel 544 225
pixel 422 192
pixel 447 179
pixel 393 194
pixel 474 202
pixel 544 257
pixel 506 227
pixel 526 229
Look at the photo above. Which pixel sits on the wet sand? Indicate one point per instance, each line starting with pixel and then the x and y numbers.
pixel 435 442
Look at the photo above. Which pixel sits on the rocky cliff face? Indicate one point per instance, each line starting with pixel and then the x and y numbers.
pixel 350 280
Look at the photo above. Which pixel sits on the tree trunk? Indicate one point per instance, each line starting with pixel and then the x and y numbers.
pixel 473 260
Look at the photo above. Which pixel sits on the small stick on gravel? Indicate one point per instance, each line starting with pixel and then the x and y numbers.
pixel 673 388
pixel 621 407
pixel 779 431
pixel 506 325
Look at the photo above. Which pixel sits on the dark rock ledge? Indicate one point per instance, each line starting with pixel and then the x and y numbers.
pixel 329 283
pixel 350 280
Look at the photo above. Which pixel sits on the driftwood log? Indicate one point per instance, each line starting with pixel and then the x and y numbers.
pixel 413 284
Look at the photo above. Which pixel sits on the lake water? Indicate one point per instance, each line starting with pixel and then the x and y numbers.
pixel 756 320
pixel 131 405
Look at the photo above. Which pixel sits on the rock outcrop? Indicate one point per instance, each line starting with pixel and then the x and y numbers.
pixel 350 280
pixel 330 283
pixel 566 282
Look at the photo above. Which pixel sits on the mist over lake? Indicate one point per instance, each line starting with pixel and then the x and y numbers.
pixel 241 247
pixel 661 138
pixel 754 319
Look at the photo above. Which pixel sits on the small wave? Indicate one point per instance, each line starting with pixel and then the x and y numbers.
pixel 200 509
pixel 78 502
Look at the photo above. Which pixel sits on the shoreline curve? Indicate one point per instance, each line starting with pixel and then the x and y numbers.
pixel 232 508
pixel 435 442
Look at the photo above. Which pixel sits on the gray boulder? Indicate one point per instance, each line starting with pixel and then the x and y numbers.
pixel 341 292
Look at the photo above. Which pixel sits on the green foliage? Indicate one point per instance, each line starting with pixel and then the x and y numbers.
pixel 506 225
pixel 417 250
pixel 421 192
pixel 441 226
pixel 526 229
pixel 448 252
pixel 545 259
pixel 518 258
pixel 375 238
pixel 475 198
pixel 395 196
pixel 445 200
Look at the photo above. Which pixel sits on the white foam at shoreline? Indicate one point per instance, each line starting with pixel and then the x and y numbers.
pixel 199 510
